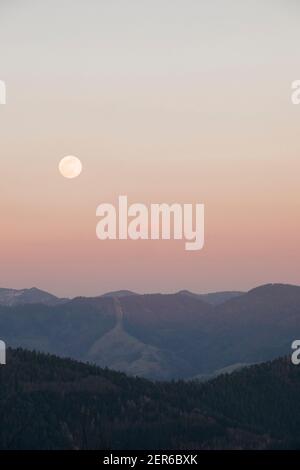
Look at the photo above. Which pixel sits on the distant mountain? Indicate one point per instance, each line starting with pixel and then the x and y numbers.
pixel 99 330
pixel 119 293
pixel 12 297
pixel 160 336
pixel 257 326
pixel 62 404
pixel 67 329
pixel 213 298
pixel 217 298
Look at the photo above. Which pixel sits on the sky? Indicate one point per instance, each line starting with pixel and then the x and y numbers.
pixel 162 101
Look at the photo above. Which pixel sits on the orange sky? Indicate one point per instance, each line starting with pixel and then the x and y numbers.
pixel 162 101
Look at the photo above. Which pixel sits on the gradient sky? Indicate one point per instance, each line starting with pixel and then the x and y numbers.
pixel 162 100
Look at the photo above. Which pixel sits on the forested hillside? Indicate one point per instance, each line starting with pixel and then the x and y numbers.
pixel 52 403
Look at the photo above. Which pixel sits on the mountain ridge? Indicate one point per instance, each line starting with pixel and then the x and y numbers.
pixel 160 336
pixel 11 296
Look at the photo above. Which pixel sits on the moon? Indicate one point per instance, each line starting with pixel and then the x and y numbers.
pixel 70 167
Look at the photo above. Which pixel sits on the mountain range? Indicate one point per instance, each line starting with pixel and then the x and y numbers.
pixel 12 297
pixel 156 336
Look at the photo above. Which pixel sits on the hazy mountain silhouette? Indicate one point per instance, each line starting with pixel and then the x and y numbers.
pixel 160 336
pixel 119 293
pixel 13 297
pixel 214 298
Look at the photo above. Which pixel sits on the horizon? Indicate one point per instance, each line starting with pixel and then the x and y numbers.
pixel 135 292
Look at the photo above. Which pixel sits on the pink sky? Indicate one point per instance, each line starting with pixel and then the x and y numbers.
pixel 182 106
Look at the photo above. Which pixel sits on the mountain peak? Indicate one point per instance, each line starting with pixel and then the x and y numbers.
pixel 273 288
pixel 32 295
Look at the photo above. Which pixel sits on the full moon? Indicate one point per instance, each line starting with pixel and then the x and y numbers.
pixel 70 167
